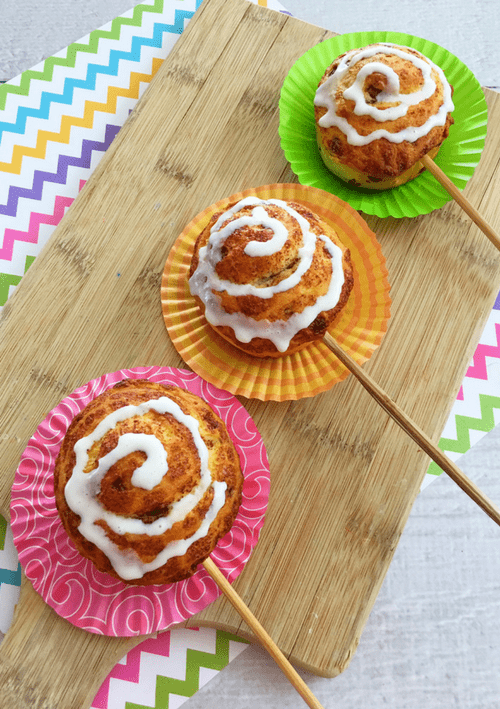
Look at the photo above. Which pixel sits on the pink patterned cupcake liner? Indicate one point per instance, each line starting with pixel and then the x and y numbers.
pixel 72 585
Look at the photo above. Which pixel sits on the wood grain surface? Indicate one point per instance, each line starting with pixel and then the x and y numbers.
pixel 344 476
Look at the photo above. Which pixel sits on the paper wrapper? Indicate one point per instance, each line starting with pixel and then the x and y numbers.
pixel 312 370
pixel 72 585
pixel 457 157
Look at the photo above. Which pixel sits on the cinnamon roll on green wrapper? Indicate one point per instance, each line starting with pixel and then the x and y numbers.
pixel 379 110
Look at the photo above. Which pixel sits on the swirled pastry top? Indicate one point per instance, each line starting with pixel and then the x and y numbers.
pixel 380 108
pixel 147 481
pixel 270 275
pixel 384 91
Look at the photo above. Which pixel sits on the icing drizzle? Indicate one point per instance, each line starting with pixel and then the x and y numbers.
pixel 325 95
pixel 82 488
pixel 205 283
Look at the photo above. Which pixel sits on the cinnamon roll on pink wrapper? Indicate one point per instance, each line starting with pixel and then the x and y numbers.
pixel 70 583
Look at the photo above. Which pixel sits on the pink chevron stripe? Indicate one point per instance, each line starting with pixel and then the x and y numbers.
pixel 460 395
pixel 478 369
pixel 129 672
pixel 36 219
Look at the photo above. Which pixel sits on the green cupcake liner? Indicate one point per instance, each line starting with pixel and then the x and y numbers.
pixel 458 156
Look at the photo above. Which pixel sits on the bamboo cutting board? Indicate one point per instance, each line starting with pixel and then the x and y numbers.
pixel 344 476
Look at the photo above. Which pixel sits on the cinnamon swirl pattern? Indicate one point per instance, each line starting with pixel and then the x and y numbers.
pixel 65 568
pixel 147 481
pixel 379 110
pixel 270 276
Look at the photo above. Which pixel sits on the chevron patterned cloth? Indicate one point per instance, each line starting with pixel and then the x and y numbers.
pixel 56 122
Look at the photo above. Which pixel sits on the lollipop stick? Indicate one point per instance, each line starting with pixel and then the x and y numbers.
pixel 414 431
pixel 267 642
pixel 445 181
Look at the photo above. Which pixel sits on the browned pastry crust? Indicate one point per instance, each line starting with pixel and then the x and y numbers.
pixel 118 495
pixel 380 164
pixel 238 267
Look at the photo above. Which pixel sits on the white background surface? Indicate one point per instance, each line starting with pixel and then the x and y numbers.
pixel 433 638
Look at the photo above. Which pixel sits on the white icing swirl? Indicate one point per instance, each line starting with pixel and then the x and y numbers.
pixel 82 488
pixel 325 96
pixel 205 282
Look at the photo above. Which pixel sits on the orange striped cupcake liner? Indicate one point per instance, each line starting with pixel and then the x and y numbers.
pixel 359 329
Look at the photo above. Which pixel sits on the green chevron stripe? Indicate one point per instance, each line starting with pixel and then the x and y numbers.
pixel 464 426
pixel 467 423
pixel 3 531
pixel 434 469
pixel 165 686
pixel 8 279
pixel 72 50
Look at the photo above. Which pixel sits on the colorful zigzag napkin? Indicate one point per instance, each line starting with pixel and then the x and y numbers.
pixel 56 121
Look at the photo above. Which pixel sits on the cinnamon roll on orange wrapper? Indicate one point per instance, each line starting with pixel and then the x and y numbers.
pixel 270 276
pixel 253 283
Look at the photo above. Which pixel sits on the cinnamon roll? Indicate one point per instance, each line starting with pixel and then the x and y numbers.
pixel 270 276
pixel 147 481
pixel 379 110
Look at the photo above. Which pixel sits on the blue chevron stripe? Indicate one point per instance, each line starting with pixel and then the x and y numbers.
pixel 89 82
pixel 11 577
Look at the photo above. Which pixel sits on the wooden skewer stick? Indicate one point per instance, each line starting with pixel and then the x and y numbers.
pixel 265 639
pixel 414 431
pixel 453 190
